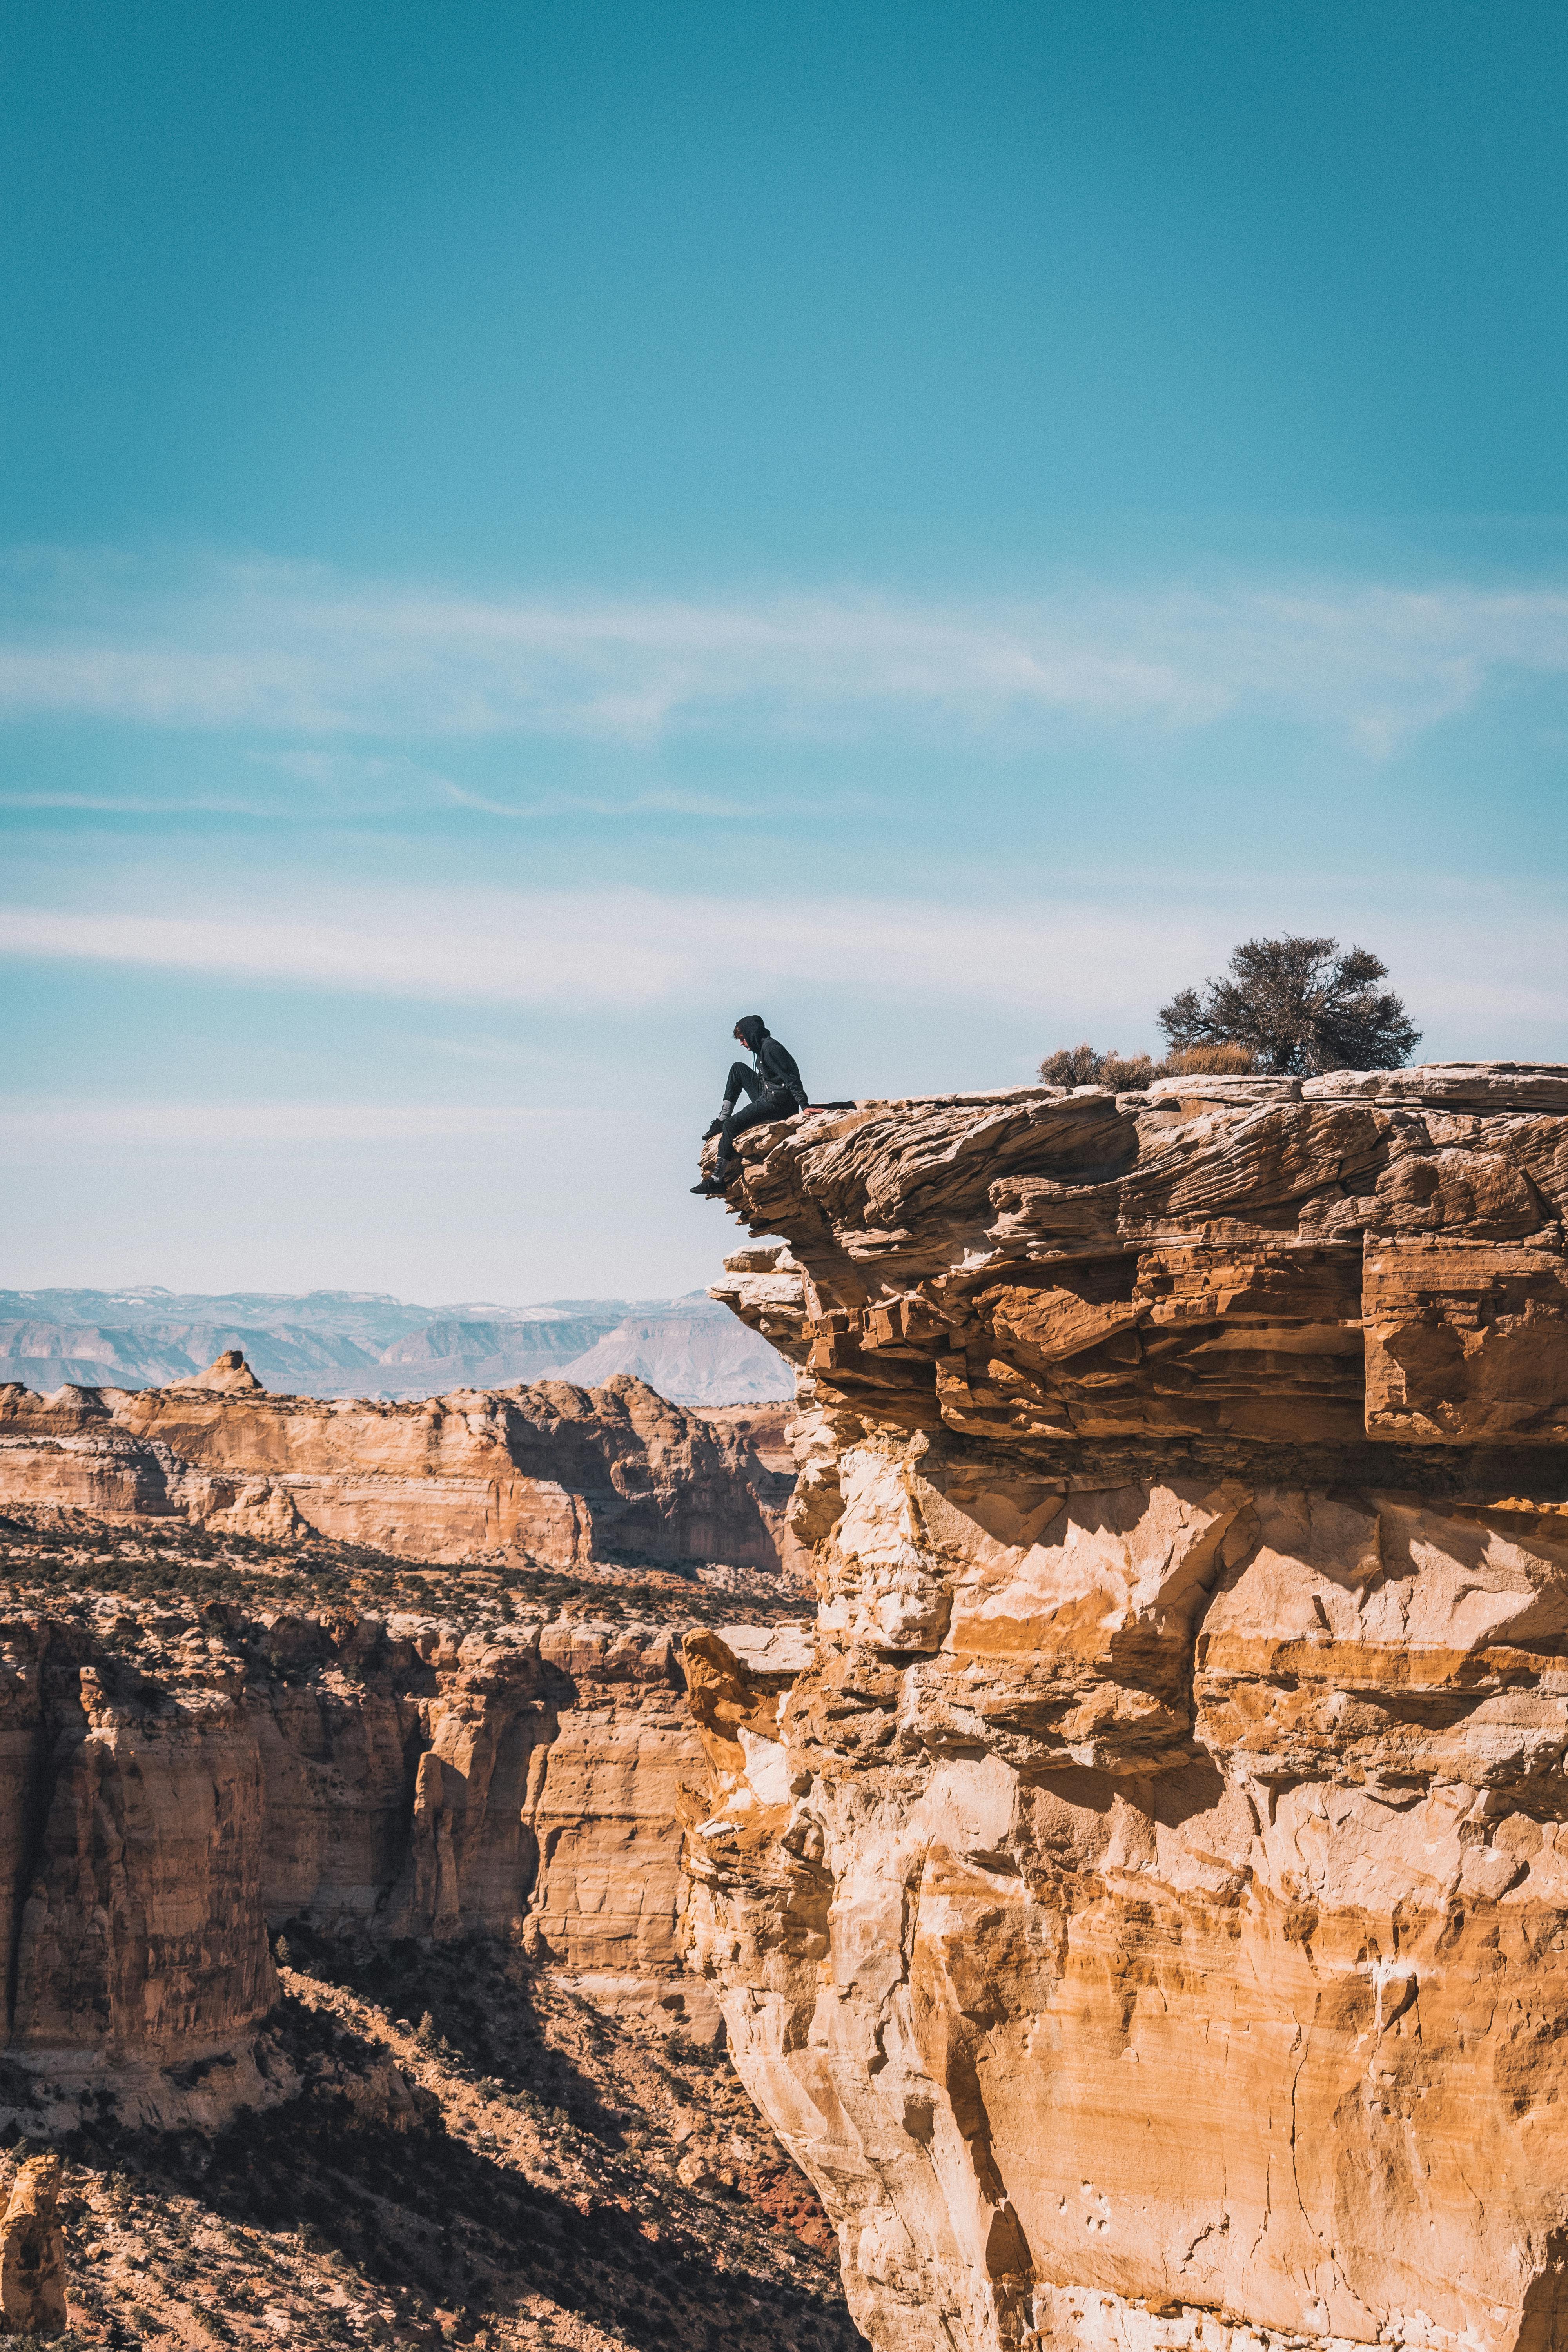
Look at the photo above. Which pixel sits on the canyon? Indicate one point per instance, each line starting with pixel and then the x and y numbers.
pixel 1135 1897
pixel 343 1945
pixel 320 1717
pixel 178 1780
pixel 1145 1914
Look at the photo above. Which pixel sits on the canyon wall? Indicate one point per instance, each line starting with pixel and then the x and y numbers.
pixel 550 1473
pixel 1145 1913
pixel 173 1781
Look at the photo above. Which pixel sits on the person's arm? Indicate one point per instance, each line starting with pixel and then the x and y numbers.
pixel 784 1070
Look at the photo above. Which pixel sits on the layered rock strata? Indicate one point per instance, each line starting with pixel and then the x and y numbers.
pixel 550 1473
pixel 175 1782
pixel 1145 1916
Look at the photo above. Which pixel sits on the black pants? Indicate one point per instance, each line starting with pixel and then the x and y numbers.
pixel 766 1102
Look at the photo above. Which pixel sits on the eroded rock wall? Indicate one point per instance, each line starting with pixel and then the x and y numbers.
pixel 134 1858
pixel 173 1782
pixel 1146 1912
pixel 552 1472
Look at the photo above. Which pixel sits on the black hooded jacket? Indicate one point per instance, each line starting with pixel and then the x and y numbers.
pixel 776 1065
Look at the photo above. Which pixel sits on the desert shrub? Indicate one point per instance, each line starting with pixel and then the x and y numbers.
pixel 1085 1066
pixel 1209 1062
pixel 1071 1065
pixel 1124 1072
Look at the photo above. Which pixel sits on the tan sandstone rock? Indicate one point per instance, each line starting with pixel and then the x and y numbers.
pixel 32 2253
pixel 175 1782
pixel 550 1473
pixel 1145 1916
pixel 131 1858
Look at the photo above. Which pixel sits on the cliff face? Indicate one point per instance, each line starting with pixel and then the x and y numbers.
pixel 173 1781
pixel 1146 1914
pixel 132 1840
pixel 552 1472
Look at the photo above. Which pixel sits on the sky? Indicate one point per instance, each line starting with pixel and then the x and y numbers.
pixel 528 531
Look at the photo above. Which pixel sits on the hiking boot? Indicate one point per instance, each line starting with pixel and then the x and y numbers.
pixel 710 1189
pixel 709 1132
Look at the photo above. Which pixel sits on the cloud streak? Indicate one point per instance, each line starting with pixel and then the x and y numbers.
pixel 1473 963
pixel 297 651
pixel 615 947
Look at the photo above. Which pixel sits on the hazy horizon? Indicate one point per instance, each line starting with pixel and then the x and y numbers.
pixel 367 1343
pixel 129 1293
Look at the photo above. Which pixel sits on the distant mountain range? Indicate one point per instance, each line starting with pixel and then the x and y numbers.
pixel 364 1343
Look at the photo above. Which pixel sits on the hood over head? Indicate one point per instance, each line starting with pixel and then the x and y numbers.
pixel 751 1029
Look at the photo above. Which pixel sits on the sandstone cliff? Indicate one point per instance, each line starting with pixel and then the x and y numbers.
pixel 550 1473
pixel 1145 1916
pixel 343 1959
pixel 175 1781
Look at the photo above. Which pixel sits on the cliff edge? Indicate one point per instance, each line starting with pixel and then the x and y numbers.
pixel 1145 1912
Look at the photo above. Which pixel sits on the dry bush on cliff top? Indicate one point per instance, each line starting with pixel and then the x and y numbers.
pixel 1289 1007
pixel 1085 1066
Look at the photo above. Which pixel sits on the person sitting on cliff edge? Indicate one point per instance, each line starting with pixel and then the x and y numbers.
pixel 776 1091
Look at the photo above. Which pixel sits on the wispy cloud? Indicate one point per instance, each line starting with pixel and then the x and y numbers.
pixel 1474 962
pixel 131 804
pixel 299 651
pixel 480 1049
pixel 552 804
pixel 627 948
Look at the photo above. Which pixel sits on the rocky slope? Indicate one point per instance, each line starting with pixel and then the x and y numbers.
pixel 552 1473
pixel 473 2155
pixel 1146 1914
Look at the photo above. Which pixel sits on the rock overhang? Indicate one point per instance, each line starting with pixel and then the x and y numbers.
pixel 1372 1257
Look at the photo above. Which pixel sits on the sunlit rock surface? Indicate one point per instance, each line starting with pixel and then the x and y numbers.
pixel 1143 1908
pixel 550 1473
pixel 175 1782
pixel 32 2253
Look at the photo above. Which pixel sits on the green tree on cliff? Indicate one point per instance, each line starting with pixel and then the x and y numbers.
pixel 1298 1006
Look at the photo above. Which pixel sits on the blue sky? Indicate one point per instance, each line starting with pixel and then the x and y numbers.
pixel 527 532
